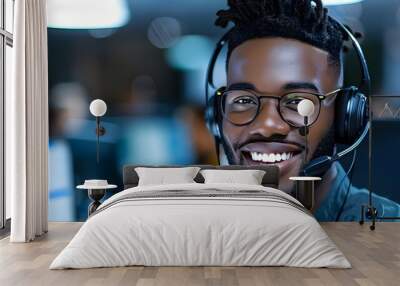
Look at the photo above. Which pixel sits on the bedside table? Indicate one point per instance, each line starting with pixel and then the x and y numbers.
pixel 96 191
pixel 305 190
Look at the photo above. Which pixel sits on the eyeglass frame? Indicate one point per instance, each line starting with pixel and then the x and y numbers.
pixel 321 97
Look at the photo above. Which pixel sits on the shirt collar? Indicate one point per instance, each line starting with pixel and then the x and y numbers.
pixel 333 201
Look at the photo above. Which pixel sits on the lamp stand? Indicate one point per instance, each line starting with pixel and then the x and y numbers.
pixel 371 212
pixel 100 131
pixel 306 137
pixel 368 211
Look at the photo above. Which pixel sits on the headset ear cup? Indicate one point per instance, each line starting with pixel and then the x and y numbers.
pixel 210 116
pixel 342 99
pixel 350 115
pixel 360 116
pixel 213 114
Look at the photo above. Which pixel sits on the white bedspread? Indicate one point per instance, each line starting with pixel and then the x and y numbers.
pixel 183 231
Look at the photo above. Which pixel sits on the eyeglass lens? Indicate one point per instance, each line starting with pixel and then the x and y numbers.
pixel 241 107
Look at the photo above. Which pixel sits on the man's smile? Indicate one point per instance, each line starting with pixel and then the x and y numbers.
pixel 278 153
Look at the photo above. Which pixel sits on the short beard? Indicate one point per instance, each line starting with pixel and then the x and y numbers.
pixel 325 147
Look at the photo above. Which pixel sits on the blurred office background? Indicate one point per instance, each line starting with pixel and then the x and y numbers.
pixel 147 60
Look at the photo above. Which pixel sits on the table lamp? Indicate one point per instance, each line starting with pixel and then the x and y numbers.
pixel 305 185
pixel 98 108
pixel 97 188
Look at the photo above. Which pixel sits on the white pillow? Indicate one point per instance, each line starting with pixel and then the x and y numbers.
pixel 165 176
pixel 248 177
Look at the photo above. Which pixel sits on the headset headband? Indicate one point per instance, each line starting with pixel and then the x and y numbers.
pixel 365 84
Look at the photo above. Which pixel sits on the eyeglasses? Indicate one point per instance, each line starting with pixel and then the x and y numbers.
pixel 241 107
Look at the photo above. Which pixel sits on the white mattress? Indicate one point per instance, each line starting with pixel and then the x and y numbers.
pixel 202 231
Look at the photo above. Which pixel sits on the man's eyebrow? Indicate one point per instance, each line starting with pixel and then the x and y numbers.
pixel 287 86
pixel 300 85
pixel 242 85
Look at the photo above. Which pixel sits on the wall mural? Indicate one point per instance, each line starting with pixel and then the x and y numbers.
pixel 386 107
pixel 151 72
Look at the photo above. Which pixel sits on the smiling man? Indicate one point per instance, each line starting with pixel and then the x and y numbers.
pixel 280 51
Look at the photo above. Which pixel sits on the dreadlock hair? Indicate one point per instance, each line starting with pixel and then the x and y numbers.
pixel 303 20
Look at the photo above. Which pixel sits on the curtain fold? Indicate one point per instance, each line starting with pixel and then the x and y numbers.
pixel 27 123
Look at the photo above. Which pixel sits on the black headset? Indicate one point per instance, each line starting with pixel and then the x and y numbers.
pixel 352 112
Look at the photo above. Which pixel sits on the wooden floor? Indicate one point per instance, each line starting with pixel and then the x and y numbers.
pixel 375 257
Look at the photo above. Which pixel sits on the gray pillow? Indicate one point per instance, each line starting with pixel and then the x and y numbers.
pixel 163 176
pixel 247 177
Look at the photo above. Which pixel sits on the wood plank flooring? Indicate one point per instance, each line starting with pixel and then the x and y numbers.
pixel 375 257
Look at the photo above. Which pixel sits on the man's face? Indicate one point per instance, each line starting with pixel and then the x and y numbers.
pixel 276 66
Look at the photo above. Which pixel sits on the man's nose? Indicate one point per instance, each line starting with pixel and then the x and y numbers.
pixel 269 122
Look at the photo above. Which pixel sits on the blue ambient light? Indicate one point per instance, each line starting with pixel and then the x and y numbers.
pixel 190 52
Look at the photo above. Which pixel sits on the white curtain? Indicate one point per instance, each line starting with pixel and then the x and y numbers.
pixel 27 123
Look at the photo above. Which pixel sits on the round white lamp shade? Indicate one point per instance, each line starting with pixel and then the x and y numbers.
pixel 98 107
pixel 306 108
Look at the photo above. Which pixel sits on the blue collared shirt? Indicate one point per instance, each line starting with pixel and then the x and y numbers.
pixel 331 205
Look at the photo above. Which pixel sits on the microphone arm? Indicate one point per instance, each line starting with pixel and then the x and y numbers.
pixel 355 144
pixel 321 164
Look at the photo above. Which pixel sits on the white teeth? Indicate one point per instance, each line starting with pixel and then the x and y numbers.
pixel 265 158
pixel 270 158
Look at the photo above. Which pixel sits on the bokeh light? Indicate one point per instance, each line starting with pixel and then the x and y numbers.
pixel 191 52
pixel 163 32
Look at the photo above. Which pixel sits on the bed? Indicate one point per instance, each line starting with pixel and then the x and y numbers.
pixel 201 224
